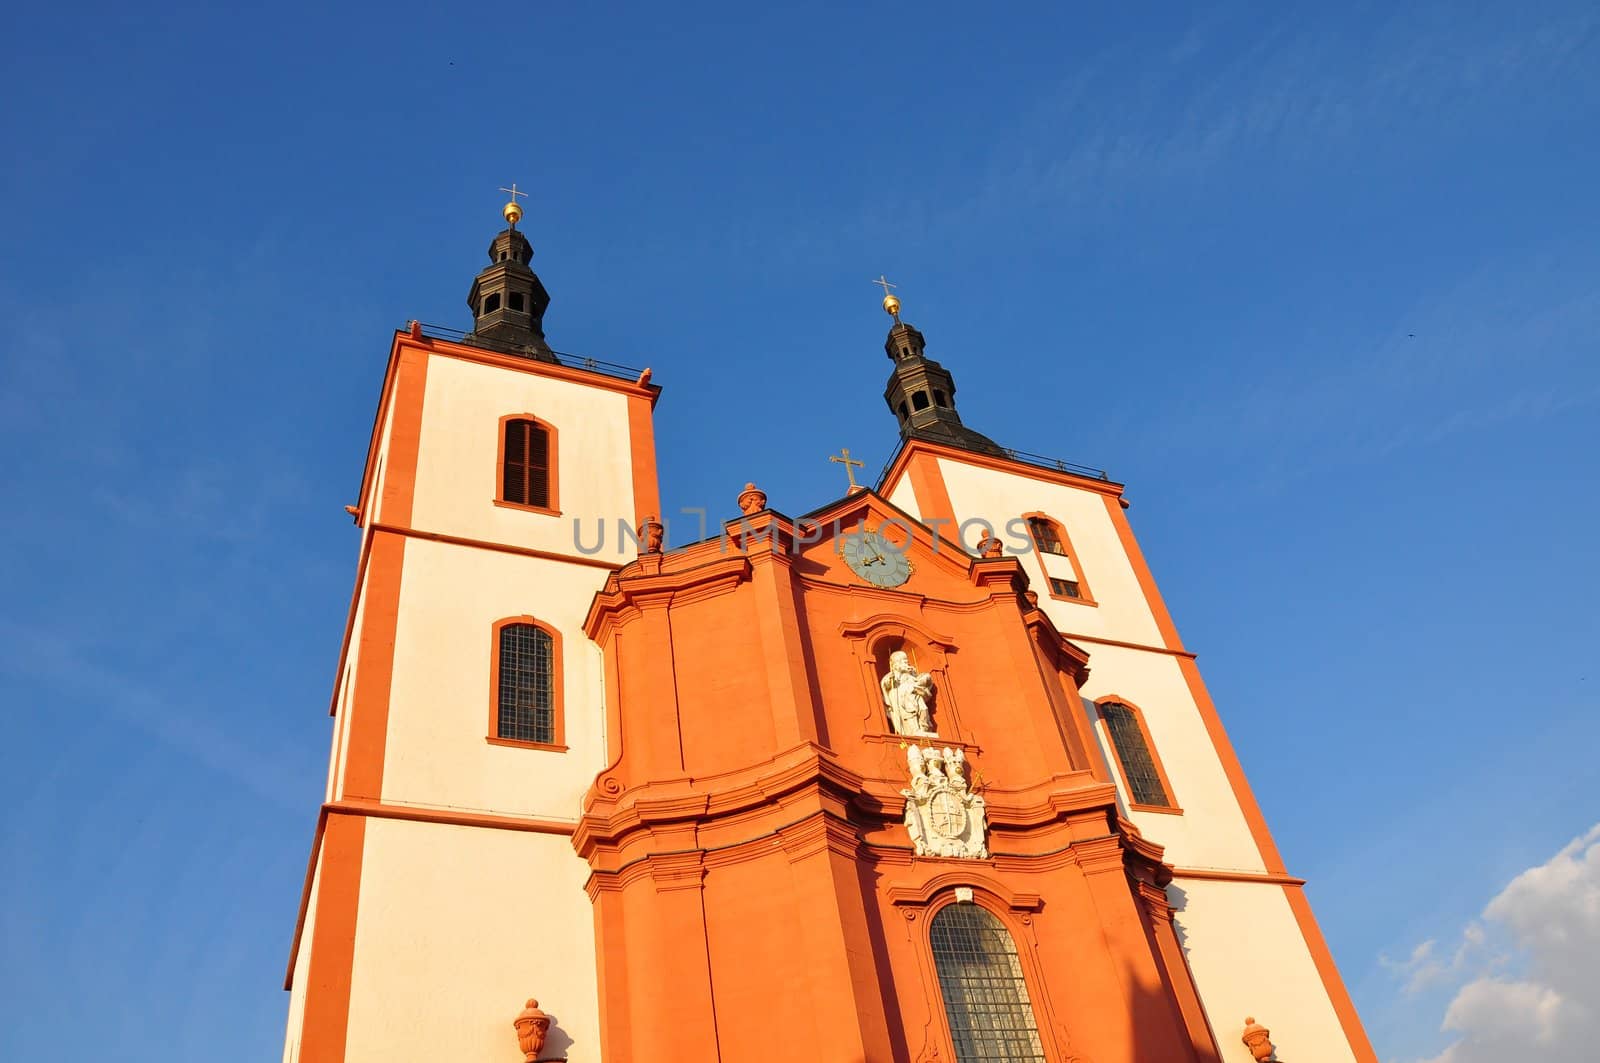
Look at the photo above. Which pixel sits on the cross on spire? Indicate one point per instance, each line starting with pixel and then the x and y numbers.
pixel 891 301
pixel 512 191
pixel 850 466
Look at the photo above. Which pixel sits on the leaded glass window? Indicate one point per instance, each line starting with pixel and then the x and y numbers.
pixel 527 684
pixel 985 995
pixel 1138 766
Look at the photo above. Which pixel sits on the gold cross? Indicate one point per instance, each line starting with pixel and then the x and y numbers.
pixel 847 463
pixel 882 281
pixel 513 191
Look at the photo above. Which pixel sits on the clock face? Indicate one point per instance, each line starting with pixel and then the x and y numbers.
pixel 875 559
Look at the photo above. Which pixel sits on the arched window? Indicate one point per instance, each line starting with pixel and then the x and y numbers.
pixel 1147 782
pixel 985 995
pixel 527 463
pixel 526 688
pixel 492 303
pixel 1050 539
pixel 919 400
pixel 1045 536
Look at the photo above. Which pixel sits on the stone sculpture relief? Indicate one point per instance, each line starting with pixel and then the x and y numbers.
pixel 943 816
pixel 905 695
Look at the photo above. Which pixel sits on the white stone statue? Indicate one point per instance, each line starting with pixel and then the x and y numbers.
pixel 943 816
pixel 905 695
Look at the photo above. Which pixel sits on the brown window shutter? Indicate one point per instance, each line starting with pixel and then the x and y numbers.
pixel 538 466
pixel 514 478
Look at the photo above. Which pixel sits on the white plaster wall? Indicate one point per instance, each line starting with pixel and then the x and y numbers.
pixel 458 457
pixel 1244 945
pixel 1249 958
pixel 998 497
pixel 904 497
pixel 1211 832
pixel 456 928
pixel 302 968
pixel 436 752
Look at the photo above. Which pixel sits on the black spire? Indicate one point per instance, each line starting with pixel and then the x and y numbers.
pixel 921 392
pixel 508 300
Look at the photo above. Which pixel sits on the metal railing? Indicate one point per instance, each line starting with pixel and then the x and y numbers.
pixel 1039 460
pixel 571 361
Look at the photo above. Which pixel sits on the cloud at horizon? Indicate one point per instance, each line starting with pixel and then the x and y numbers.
pixel 1527 972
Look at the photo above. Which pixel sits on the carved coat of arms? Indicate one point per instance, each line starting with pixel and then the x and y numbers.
pixel 943 815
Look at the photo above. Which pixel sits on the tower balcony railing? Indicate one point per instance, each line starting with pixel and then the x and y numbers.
pixel 1022 456
pixel 571 361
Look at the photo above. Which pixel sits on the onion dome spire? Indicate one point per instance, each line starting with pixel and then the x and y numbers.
pixel 921 392
pixel 508 300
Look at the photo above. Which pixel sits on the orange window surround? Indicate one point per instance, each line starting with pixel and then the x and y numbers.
pixel 1149 790
pixel 983 985
pixel 1050 538
pixel 525 473
pixel 525 685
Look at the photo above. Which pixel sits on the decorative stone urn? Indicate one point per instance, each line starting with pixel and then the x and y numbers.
pixel 752 499
pixel 653 530
pixel 533 1025
pixel 1258 1039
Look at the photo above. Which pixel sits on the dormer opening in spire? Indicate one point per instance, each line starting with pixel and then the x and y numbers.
pixel 508 300
pixel 921 393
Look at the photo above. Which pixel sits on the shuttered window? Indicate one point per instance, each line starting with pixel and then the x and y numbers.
pixel 525 475
pixel 985 994
pixel 1138 765
pixel 527 684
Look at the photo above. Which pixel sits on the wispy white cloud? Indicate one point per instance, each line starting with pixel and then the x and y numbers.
pixel 67 665
pixel 1528 973
pixel 1118 123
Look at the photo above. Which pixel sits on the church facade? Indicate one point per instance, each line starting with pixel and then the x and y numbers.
pixel 925 773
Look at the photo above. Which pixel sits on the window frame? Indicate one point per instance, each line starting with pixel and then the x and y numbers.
pixel 1085 595
pixel 1172 808
pixel 500 499
pixel 558 730
pixel 1031 976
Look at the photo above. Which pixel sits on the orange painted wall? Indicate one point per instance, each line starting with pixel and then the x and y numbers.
pixel 752 878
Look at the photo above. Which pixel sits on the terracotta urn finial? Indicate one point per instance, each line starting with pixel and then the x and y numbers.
pixel 752 499
pixel 1258 1039
pixel 532 1027
pixel 989 546
pixel 654 531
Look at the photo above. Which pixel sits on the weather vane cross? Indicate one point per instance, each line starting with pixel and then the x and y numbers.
pixel 512 192
pixel 849 464
pixel 882 281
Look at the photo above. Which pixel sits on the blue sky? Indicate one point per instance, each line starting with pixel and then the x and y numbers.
pixel 1321 285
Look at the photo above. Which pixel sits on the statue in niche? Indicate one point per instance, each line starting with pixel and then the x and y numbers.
pixel 905 695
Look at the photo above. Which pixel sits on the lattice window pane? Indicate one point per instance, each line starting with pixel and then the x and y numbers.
pixel 527 684
pixel 1144 782
pixel 1046 537
pixel 1066 588
pixel 985 995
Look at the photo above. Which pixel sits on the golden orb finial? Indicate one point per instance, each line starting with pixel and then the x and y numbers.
pixel 513 211
pixel 891 302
